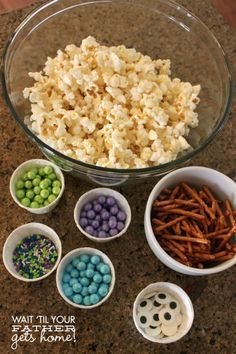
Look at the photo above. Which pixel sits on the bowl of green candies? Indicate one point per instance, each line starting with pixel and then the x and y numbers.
pixel 32 252
pixel 37 186
pixel 85 278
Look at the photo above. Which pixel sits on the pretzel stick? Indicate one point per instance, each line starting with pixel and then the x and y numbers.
pixel 227 238
pixel 177 245
pixel 178 252
pixel 231 217
pixel 157 203
pixel 187 213
pixel 169 224
pixel 178 230
pixel 174 192
pixel 185 238
pixel 216 233
pixel 204 196
pixel 190 191
pixel 204 257
pixel 226 257
pixel 212 198
pixel 220 254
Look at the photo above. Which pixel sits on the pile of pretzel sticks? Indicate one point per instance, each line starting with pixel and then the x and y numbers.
pixel 193 226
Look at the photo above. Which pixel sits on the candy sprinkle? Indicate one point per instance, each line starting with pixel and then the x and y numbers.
pixel 34 256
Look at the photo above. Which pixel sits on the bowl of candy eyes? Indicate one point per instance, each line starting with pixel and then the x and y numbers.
pixel 32 252
pixel 190 221
pixel 37 186
pixel 163 312
pixel 102 214
pixel 85 278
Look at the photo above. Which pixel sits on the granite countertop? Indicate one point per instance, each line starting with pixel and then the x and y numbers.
pixel 110 328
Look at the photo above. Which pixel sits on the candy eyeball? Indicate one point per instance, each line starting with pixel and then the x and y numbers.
pixel 167 317
pixel 153 331
pixel 174 306
pixel 155 318
pixel 162 298
pixel 169 330
pixel 144 319
pixel 145 305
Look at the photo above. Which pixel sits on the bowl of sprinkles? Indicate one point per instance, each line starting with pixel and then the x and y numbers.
pixel 37 186
pixel 32 252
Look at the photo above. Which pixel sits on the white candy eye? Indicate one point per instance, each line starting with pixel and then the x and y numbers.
pixel 151 295
pixel 169 330
pixel 174 306
pixel 144 319
pixel 179 319
pixel 155 320
pixel 145 305
pixel 162 298
pixel 153 331
pixel 167 317
pixel 157 306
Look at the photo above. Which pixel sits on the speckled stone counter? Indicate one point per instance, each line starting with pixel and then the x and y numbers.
pixel 110 329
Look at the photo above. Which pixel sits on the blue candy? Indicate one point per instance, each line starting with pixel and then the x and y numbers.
pixel 77 299
pixel 84 258
pixel 106 278
pixel 95 260
pixel 68 291
pixel 103 290
pixel 92 289
pixel 105 269
pixel 89 273
pixel 75 262
pixel 94 299
pixel 84 281
pixel 69 268
pixel 77 288
pixel 99 265
pixel 90 266
pixel 84 291
pixel 64 286
pixel 81 266
pixel 73 281
pixel 82 274
pixel 97 278
pixel 66 278
pixel 74 273
pixel 86 300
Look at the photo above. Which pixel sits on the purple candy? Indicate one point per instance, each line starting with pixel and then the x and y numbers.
pixel 114 210
pixel 89 230
pixel 91 214
pixel 121 216
pixel 105 227
pixel 120 225
pixel 105 215
pixel 101 199
pixel 83 222
pixel 90 221
pixel 98 217
pixel 112 222
pixel 95 233
pixel 95 224
pixel 83 214
pixel 102 234
pixel 97 208
pixel 113 232
pixel 111 201
pixel 95 202
pixel 88 207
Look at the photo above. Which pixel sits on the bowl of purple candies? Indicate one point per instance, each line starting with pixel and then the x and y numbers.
pixel 85 278
pixel 102 214
pixel 32 252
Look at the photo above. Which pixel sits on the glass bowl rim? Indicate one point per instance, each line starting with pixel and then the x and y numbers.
pixel 154 169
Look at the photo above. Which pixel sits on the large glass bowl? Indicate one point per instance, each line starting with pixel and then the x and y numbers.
pixel 159 28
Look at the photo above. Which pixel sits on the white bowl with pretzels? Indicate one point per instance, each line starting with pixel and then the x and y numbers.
pixel 190 221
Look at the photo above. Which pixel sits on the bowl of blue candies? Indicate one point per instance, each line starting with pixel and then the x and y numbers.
pixel 85 278
pixel 32 252
pixel 102 214
pixel 37 186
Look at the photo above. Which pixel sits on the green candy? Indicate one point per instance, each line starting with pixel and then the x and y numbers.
pixel 25 202
pixel 46 203
pixel 31 175
pixel 56 183
pixel 44 193
pixel 38 199
pixel 28 184
pixel 37 190
pixel 44 184
pixel 35 170
pixel 52 176
pixel 41 171
pixel 25 177
pixel 51 198
pixel 20 184
pixel 48 170
pixel 34 205
pixel 56 190
pixel 36 181
pixel 30 194
pixel 20 193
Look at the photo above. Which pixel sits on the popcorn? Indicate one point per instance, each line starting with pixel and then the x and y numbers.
pixel 112 106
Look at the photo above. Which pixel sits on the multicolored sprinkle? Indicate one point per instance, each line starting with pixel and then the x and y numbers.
pixel 34 256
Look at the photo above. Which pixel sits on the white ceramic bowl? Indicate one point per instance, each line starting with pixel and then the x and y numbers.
pixel 76 253
pixel 186 310
pixel 17 235
pixel 91 195
pixel 26 166
pixel 223 187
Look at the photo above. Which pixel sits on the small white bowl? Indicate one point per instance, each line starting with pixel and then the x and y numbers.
pixel 93 194
pixel 26 166
pixel 220 184
pixel 186 310
pixel 74 254
pixel 20 233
